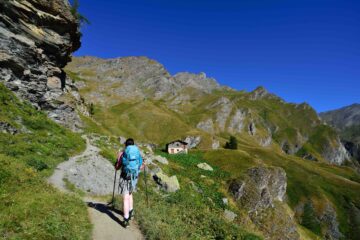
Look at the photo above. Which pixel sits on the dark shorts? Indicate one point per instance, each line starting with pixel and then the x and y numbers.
pixel 125 184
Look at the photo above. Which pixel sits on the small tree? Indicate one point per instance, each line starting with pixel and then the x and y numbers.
pixel 232 143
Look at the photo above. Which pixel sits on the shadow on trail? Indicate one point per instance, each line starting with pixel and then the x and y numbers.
pixel 103 208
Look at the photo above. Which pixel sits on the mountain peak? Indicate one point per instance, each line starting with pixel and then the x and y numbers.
pixel 259 93
pixel 197 81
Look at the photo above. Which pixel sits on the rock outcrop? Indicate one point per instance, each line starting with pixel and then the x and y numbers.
pixel 36 40
pixel 347 121
pixel 192 141
pixel 335 154
pixel 7 128
pixel 237 121
pixel 262 187
pixel 261 193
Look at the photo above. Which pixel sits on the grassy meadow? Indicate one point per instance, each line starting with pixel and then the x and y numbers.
pixel 30 208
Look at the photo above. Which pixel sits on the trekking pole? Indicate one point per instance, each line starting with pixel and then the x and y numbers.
pixel 113 196
pixel 146 190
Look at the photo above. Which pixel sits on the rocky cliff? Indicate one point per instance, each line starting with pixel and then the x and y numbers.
pixel 36 40
pixel 347 121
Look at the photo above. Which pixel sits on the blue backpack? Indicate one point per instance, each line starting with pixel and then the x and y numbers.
pixel 132 162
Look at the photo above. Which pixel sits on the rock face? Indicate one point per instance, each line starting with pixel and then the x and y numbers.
pixel 347 121
pixel 261 189
pixel 261 193
pixel 36 40
pixel 336 155
pixel 323 217
pixel 237 121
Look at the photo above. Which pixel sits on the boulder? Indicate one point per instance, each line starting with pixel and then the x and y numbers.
pixel 205 167
pixel 166 183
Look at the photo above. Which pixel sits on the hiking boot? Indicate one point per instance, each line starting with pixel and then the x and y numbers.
pixel 126 222
pixel 131 214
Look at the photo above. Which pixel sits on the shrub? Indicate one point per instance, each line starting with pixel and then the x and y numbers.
pixel 37 164
pixel 232 144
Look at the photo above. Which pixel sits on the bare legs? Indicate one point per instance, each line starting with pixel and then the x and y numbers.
pixel 131 202
pixel 128 204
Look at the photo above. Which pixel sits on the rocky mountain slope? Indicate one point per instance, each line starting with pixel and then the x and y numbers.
pixel 131 94
pixel 36 40
pixel 344 117
pixel 347 122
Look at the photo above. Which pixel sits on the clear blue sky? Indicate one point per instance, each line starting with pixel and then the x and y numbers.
pixel 301 50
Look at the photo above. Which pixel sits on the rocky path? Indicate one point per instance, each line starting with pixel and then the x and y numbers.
pixel 107 222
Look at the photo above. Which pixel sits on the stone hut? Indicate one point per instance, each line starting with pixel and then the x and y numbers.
pixel 177 146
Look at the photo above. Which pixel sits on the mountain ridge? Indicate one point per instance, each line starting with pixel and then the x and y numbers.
pixel 197 105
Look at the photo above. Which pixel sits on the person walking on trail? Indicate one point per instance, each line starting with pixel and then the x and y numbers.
pixel 130 162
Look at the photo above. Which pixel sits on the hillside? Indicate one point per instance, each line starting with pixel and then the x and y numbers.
pixel 31 146
pixel 137 96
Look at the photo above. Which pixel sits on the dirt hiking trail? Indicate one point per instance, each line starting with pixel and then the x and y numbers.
pixel 107 222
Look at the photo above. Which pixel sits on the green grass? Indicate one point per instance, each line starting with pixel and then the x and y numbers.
pixel 30 208
pixel 320 183
pixel 187 213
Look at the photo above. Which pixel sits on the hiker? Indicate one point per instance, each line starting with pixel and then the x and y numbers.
pixel 130 162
